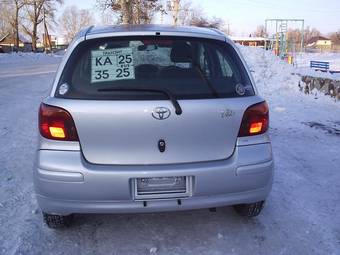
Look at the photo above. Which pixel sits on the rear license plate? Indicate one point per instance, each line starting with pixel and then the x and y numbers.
pixel 162 187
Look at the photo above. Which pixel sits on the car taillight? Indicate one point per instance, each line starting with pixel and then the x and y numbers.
pixel 56 123
pixel 255 120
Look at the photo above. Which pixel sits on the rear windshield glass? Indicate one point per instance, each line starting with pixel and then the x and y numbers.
pixel 189 68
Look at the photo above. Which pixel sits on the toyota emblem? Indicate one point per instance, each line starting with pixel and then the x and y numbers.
pixel 161 113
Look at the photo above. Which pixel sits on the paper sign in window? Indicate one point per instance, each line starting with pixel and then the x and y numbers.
pixel 112 65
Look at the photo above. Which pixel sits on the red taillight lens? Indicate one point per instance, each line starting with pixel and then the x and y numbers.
pixel 255 120
pixel 56 123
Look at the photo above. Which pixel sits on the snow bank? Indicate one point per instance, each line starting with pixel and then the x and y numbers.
pixel 273 76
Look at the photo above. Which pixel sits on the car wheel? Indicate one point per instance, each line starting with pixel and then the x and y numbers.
pixel 57 221
pixel 249 210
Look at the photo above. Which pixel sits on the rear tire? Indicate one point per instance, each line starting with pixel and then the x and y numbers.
pixel 249 210
pixel 57 221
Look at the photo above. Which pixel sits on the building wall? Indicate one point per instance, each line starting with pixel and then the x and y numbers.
pixel 24 47
pixel 251 43
pixel 324 43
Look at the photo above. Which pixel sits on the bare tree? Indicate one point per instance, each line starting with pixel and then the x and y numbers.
pixel 36 12
pixel 335 37
pixel 181 11
pixel 174 6
pixel 294 35
pixel 184 13
pixel 107 18
pixel 72 20
pixel 12 16
pixel 310 33
pixel 18 4
pixel 260 31
pixel 202 21
pixel 5 26
pixel 132 11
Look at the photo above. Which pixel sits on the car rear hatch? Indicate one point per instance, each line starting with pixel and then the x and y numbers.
pixel 127 133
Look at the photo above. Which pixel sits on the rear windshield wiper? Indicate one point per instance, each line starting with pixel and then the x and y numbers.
pixel 166 92
pixel 203 77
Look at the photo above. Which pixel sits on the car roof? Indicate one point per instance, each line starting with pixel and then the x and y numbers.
pixel 148 29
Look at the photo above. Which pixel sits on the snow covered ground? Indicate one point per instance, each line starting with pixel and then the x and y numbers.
pixel 301 215
pixel 302 62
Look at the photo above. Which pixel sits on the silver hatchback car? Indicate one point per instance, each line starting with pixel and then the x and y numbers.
pixel 148 119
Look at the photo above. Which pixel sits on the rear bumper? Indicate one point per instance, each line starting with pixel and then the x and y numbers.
pixel 65 183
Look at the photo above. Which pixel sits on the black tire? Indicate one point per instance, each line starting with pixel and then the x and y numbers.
pixel 57 221
pixel 249 210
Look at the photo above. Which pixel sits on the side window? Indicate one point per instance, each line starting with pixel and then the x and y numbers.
pixel 225 66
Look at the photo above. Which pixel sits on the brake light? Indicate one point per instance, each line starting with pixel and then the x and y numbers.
pixel 56 123
pixel 255 120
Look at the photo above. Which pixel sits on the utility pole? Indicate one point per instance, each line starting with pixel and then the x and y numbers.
pixel 47 39
pixel 266 31
pixel 302 36
pixel 45 30
pixel 162 17
pixel 16 24
pixel 12 44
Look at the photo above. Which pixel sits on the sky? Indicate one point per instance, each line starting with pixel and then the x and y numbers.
pixel 243 16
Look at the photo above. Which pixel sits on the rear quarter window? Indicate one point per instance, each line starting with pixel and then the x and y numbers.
pixel 190 68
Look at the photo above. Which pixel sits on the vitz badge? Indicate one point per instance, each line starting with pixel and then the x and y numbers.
pixel 227 113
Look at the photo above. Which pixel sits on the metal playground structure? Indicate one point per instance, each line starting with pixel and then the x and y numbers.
pixel 277 36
